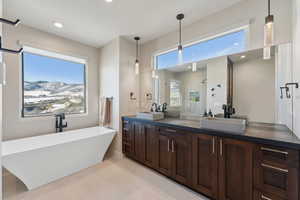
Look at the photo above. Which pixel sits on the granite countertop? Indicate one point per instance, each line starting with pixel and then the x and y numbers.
pixel 270 134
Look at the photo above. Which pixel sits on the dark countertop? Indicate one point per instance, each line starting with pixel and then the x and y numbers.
pixel 269 134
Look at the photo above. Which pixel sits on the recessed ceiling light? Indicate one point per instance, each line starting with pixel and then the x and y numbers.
pixel 108 1
pixel 58 24
pixel 243 56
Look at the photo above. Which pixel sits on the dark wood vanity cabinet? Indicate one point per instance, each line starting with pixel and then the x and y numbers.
pixel 218 167
pixel 235 169
pixel 175 154
pixel 166 150
pixel 139 142
pixel 205 164
pixel 222 168
pixel 149 143
pixel 164 155
pixel 276 172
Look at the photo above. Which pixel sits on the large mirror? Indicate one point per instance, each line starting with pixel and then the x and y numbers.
pixel 246 81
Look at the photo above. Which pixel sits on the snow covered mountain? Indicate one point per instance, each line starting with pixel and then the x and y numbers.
pixel 42 97
pixel 52 88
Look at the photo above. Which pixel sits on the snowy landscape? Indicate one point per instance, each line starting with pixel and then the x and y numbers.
pixel 44 98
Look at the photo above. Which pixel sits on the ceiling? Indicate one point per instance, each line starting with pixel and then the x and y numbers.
pixel 96 22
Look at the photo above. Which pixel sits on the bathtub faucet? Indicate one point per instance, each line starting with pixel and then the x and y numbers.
pixel 59 122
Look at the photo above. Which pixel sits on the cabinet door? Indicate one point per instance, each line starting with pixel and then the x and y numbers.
pixel 150 144
pixel 164 155
pixel 181 157
pixel 235 170
pixel 138 151
pixel 205 164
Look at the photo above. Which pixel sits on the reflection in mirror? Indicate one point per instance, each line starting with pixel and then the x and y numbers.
pixel 244 84
pixel 254 86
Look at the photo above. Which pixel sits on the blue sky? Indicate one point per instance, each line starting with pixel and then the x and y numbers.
pixel 224 45
pixel 42 68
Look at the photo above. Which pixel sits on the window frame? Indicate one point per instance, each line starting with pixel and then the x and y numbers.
pixel 245 28
pixel 180 96
pixel 53 54
pixel 156 83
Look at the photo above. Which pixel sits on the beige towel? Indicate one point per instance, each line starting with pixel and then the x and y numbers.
pixel 105 111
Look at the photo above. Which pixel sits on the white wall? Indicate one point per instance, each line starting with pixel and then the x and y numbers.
pixel 117 79
pixel 254 89
pixel 191 81
pixel 109 77
pixel 217 74
pixel 235 16
pixel 14 125
pixel 129 81
pixel 165 77
pixel 296 63
pixel 283 63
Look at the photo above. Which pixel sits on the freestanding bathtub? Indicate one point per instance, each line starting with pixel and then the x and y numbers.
pixel 39 160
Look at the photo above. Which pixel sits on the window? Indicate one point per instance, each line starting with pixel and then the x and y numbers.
pixel 194 96
pixel 175 95
pixel 52 84
pixel 223 45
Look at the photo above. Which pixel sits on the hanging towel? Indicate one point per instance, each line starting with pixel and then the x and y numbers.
pixel 105 111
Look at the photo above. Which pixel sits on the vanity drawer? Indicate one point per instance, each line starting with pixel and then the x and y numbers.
pixel 276 155
pixel 167 131
pixel 265 196
pixel 276 171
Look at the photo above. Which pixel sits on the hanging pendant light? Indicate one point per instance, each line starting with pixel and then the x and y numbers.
pixel 268 33
pixel 153 73
pixel 194 67
pixel 137 62
pixel 180 17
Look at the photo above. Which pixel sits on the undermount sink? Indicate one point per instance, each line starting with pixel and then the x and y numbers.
pixel 151 115
pixel 223 124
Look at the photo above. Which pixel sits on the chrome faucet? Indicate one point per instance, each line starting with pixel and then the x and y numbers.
pixel 59 118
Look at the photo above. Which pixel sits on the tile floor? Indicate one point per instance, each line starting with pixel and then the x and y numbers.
pixel 111 180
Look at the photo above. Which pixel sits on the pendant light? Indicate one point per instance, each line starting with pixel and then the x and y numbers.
pixel 268 33
pixel 180 17
pixel 137 62
pixel 194 67
pixel 153 73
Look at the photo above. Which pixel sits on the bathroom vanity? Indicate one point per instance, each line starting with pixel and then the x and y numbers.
pixel 260 164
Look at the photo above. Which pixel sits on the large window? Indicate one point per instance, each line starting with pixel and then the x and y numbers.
pixel 175 95
pixel 219 46
pixel 52 84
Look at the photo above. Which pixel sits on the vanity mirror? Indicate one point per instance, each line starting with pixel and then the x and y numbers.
pixel 245 85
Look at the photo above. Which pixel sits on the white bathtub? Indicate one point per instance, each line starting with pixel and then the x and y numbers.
pixel 39 160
